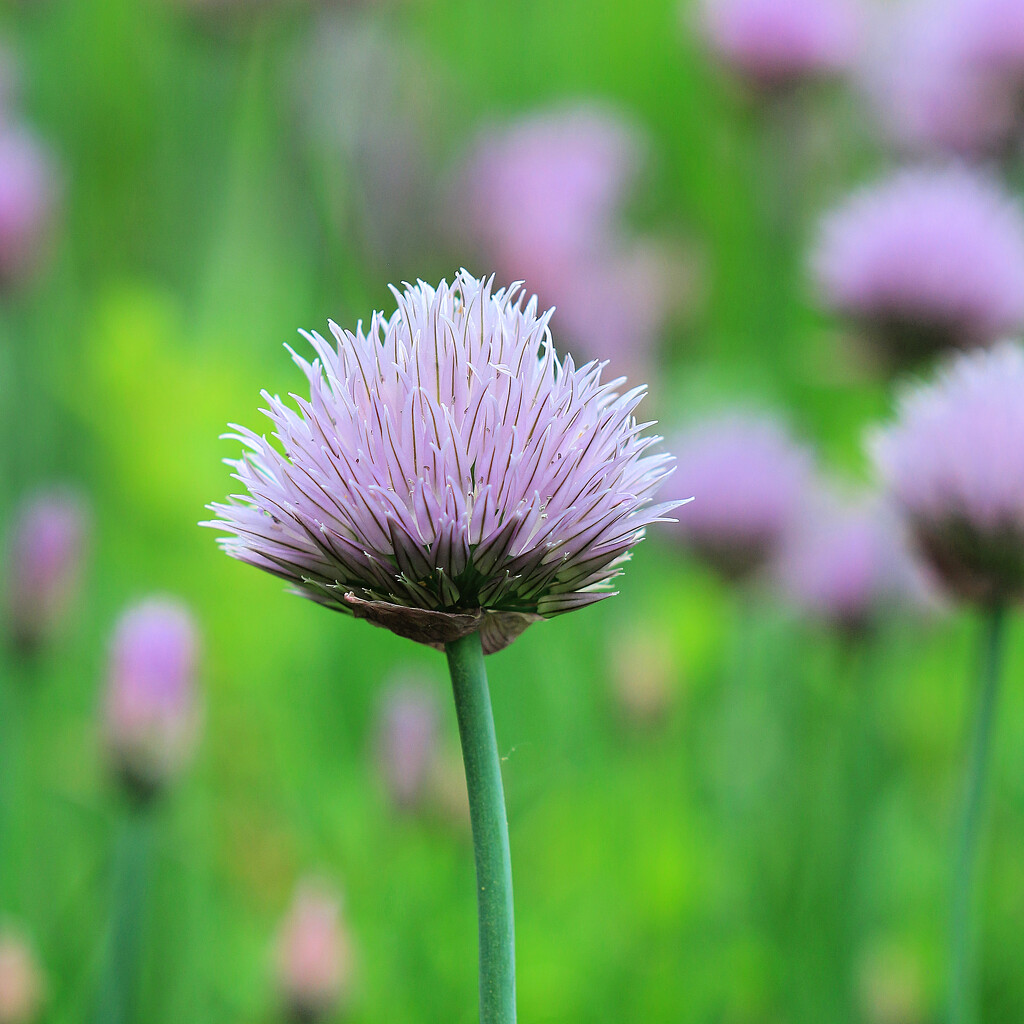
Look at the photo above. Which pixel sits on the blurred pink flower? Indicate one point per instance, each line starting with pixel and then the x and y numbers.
pixel 21 984
pixel 46 553
pixel 407 739
pixel 927 259
pixel 151 707
pixel 314 955
pixel 28 193
pixel 544 198
pixel 774 44
pixel 953 463
pixel 749 480
pixel 847 562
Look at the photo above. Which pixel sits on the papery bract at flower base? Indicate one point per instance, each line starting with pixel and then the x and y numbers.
pixel 448 473
pixel 954 464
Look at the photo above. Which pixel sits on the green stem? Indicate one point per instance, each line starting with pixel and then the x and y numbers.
pixel 131 855
pixel 490 830
pixel 962 1009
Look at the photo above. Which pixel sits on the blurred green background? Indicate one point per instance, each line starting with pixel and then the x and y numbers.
pixel 773 847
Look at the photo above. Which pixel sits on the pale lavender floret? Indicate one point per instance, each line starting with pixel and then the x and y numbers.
pixel 542 200
pixel 28 192
pixel 778 43
pixel 927 259
pixel 954 464
pixel 46 553
pixel 847 562
pixel 940 80
pixel 448 472
pixel 750 480
pixel 151 704
pixel 407 739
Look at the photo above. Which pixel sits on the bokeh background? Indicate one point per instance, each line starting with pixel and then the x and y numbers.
pixel 721 810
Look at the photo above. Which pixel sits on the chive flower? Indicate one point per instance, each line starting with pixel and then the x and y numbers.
pixel 953 462
pixel 751 480
pixel 314 955
pixel 449 473
pixel 775 44
pixel 46 552
pixel 28 197
pixel 929 259
pixel 21 982
pixel 407 739
pixel 151 708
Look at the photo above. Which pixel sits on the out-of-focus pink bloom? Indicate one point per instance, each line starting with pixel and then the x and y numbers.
pixel 953 463
pixel 848 562
pixel 749 480
pixel 21 984
pixel 46 553
pixel 928 259
pixel 151 706
pixel 542 201
pixel 407 740
pixel 775 44
pixel 28 192
pixel 948 76
pixel 314 955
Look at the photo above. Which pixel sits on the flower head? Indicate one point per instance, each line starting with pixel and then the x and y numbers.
pixel 21 985
pixel 448 473
pixel 407 740
pixel 846 563
pixel 151 707
pixel 779 43
pixel 938 82
pixel 27 199
pixel 954 464
pixel 314 955
pixel 46 550
pixel 926 260
pixel 750 479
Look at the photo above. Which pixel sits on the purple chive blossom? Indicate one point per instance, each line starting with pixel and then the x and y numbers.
pixel 954 464
pixel 847 563
pixel 751 481
pixel 935 87
pixel 775 44
pixel 926 260
pixel 542 200
pixel 46 551
pixel 407 740
pixel 449 473
pixel 151 707
pixel 314 955
pixel 27 198
pixel 21 984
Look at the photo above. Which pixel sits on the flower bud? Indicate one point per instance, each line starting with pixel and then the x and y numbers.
pixel 27 198
pixel 21 985
pixel 643 674
pixel 314 955
pixel 46 550
pixel 151 708
pixel 407 741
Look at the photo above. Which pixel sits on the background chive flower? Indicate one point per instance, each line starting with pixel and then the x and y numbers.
pixel 21 983
pixel 954 464
pixel 28 193
pixel 151 707
pixel 407 739
pixel 774 44
pixel 751 480
pixel 314 955
pixel 934 87
pixel 448 473
pixel 847 562
pixel 46 551
pixel 928 259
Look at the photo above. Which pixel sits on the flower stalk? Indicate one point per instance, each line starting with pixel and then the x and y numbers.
pixel 490 830
pixel 962 1008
